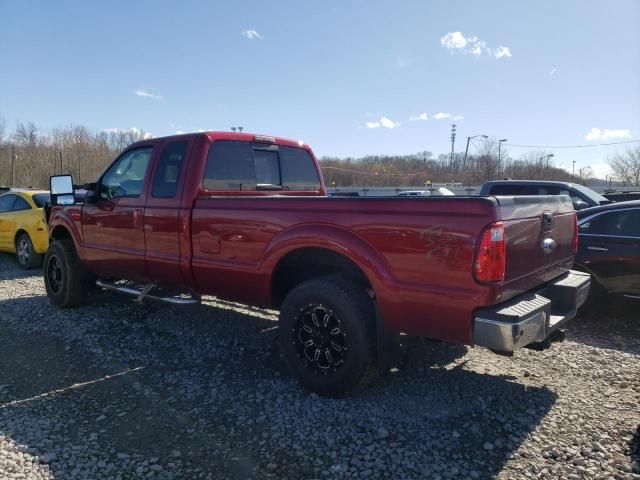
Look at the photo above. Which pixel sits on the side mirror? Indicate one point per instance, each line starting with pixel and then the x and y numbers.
pixel 580 204
pixel 62 192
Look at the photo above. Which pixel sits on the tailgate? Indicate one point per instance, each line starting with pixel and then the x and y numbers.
pixel 539 235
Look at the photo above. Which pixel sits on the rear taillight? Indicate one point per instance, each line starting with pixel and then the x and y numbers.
pixel 490 263
pixel 575 233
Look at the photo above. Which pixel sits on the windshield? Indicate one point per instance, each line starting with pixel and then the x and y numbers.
pixel 590 194
pixel 40 199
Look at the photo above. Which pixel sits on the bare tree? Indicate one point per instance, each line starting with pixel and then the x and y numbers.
pixel 26 134
pixel 626 166
pixel 586 174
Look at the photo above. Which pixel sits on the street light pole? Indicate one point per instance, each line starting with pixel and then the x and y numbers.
pixel 466 151
pixel 500 152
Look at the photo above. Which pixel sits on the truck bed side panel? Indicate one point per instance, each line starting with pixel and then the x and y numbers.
pixel 423 251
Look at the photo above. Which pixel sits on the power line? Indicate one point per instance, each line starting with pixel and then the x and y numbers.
pixel 573 146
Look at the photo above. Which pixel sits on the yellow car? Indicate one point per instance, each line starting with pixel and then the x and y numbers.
pixel 22 227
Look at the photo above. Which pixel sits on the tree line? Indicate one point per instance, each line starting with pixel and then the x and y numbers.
pixel 29 156
pixel 469 169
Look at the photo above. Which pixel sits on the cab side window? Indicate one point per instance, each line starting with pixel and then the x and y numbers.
pixel 6 203
pixel 165 183
pixel 125 178
pixel 20 204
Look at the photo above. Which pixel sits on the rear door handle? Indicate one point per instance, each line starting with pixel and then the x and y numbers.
pixel 598 249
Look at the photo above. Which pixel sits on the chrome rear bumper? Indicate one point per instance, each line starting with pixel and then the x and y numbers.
pixel 531 317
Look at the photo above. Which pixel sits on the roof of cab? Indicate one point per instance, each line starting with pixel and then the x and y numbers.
pixel 221 135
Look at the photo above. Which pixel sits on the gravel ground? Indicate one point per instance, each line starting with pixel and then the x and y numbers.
pixel 117 390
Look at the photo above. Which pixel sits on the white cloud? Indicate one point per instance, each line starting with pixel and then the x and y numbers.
pixel 601 170
pixel 422 116
pixel 458 117
pixel 606 134
pixel 442 115
pixel 149 93
pixel 180 132
pixel 502 51
pixel 552 72
pixel 148 135
pixel 387 123
pixel 383 122
pixel 456 41
pixel 251 34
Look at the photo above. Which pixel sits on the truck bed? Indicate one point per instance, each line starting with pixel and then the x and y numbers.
pixel 417 253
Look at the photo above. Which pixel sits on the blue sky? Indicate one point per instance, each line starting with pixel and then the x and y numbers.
pixel 345 77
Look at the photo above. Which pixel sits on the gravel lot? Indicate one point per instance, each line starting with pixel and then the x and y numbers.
pixel 117 390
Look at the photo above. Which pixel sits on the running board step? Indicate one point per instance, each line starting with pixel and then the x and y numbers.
pixel 142 294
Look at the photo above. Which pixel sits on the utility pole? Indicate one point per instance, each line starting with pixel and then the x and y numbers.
pixel 13 166
pixel 573 170
pixel 453 142
pixel 60 155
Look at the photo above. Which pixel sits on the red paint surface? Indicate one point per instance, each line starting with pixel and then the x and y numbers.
pixel 416 253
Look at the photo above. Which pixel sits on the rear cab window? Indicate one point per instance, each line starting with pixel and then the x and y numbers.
pixel 251 166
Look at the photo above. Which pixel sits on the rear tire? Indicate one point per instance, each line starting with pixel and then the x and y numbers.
pixel 26 255
pixel 65 279
pixel 327 336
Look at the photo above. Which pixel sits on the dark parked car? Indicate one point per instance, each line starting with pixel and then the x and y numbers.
pixel 609 248
pixel 581 196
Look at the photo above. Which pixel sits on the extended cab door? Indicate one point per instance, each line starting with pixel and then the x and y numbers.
pixel 163 215
pixel 610 248
pixel 112 226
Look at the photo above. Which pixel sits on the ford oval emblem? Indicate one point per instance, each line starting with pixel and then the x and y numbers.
pixel 548 245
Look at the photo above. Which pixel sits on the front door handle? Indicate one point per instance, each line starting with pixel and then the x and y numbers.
pixel 598 249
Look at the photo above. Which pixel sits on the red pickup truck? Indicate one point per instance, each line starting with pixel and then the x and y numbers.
pixel 245 217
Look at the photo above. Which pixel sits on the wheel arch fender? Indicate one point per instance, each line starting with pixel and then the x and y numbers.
pixel 335 239
pixel 62 227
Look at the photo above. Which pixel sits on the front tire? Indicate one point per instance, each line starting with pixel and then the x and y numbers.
pixel 65 279
pixel 327 336
pixel 25 253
